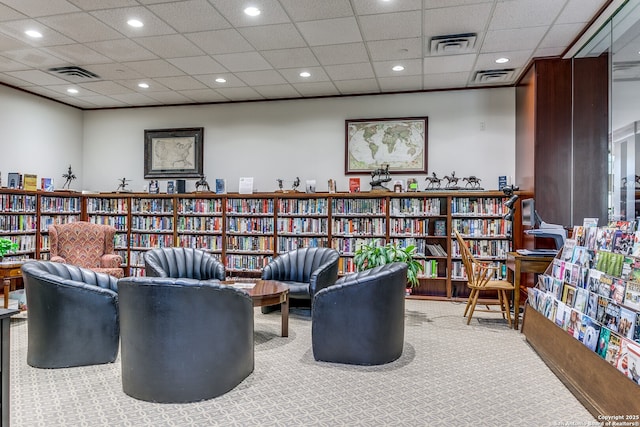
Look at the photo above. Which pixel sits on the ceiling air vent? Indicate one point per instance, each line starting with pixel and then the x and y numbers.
pixel 493 76
pixel 74 73
pixel 453 44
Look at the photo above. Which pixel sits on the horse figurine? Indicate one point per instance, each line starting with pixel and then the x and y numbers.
pixel 433 181
pixel 202 182
pixel 452 181
pixel 70 177
pixel 473 182
pixel 379 177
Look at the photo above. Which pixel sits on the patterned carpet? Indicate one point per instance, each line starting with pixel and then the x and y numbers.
pixel 450 374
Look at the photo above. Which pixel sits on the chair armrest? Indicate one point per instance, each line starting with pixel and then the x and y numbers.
pixel 58 259
pixel 110 261
pixel 324 276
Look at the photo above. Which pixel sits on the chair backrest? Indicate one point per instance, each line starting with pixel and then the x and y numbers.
pixel 81 243
pixel 183 263
pixel 300 264
pixel 478 273
pixel 68 274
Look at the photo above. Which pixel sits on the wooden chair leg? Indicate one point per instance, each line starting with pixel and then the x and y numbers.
pixel 473 306
pixel 501 302
pixel 471 294
pixel 506 306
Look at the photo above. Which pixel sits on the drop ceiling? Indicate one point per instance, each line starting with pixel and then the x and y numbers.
pixel 346 46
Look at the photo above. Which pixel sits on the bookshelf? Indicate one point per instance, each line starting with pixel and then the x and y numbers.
pixel 18 221
pixel 247 231
pixel 56 208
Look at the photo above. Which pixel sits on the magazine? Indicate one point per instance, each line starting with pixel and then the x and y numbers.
pixel 590 332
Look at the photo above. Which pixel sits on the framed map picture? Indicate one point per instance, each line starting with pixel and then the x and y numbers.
pixel 400 143
pixel 173 153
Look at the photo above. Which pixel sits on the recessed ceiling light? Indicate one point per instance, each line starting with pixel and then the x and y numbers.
pixel 72 90
pixel 252 11
pixel 398 68
pixel 305 74
pixel 502 60
pixel 135 23
pixel 221 80
pixel 143 85
pixel 33 33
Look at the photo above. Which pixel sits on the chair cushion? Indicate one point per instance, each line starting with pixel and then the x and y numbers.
pixel 297 290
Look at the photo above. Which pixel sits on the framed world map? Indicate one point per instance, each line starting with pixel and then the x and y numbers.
pixel 372 144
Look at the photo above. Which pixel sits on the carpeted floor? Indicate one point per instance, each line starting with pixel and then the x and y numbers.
pixel 450 374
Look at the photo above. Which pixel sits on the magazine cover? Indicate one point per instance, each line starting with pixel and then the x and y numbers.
pixel 603 342
pixel 573 324
pixel 558 269
pixel 617 290
pixel 629 360
pixel 632 295
pixel 592 305
pixel 561 312
pixel 580 300
pixel 590 332
pixel 602 306
pixel 612 316
pixel 594 280
pixel 568 295
pixel 567 250
pixel 613 349
pixel 590 237
pixel 627 323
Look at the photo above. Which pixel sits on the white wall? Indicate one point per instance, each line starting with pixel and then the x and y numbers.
pixel 39 136
pixel 471 132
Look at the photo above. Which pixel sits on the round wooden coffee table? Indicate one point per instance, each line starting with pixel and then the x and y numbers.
pixel 267 292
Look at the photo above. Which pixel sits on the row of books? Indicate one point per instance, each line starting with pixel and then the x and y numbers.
pixel 247 262
pixel 17 223
pixel 250 243
pixel 416 206
pixel 481 227
pixel 47 220
pixel 302 206
pixel 484 248
pixel 348 245
pixel 286 244
pixel 359 226
pixel 18 203
pixel 119 222
pixel 250 206
pixel 478 206
pixel 26 243
pixel 28 182
pixel 200 206
pixel 156 206
pixel 302 225
pixel 206 242
pixel 107 205
pixel 250 225
pixel 142 240
pixel 151 223
pixel 359 206
pixel 458 271
pixel 200 224
pixel 60 204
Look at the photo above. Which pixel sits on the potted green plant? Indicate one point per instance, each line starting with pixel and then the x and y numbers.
pixel 373 255
pixel 6 245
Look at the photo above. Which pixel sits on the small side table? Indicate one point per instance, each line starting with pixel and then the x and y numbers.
pixel 518 264
pixel 9 270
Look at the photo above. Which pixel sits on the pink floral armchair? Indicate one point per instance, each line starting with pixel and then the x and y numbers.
pixel 86 245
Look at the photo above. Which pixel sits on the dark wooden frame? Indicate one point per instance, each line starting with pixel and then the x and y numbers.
pixel 392 169
pixel 193 136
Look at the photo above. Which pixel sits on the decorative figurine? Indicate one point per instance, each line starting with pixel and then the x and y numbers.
pixel 378 177
pixel 123 185
pixel 69 176
pixel 452 181
pixel 433 182
pixel 202 182
pixel 296 184
pixel 154 188
pixel 473 182
pixel 279 181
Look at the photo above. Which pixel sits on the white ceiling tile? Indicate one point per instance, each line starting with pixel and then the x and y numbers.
pixel 404 83
pixel 14 81
pixel 117 19
pixel 8 43
pixel 399 25
pixel 105 87
pixel 316 89
pixel 198 65
pixel 279 36
pixel 44 91
pixel 81 27
pixel 293 75
pixel 553 51
pixel 517 59
pixel 362 70
pixel 77 54
pixel 154 86
pixel 452 64
pixel 456 20
pixel 505 40
pixel 169 97
pixel 240 93
pixel 34 58
pixel 204 95
pixel 16 30
pixel 579 11
pixel 357 86
pixel 36 77
pixel 233 11
pixel 134 98
pixel 181 83
pixel 9 14
pixel 155 68
pixel 384 50
pixel 37 8
pixel 290 58
pixel 311 10
pixel 366 7
pixel 261 78
pixel 62 90
pixel 411 67
pixel 210 80
pixel 220 41
pixel 341 53
pixel 436 4
pixel 330 31
pixel 277 91
pixel 113 71
pixel 121 50
pixel 190 16
pixel 559 34
pixel 246 61
pixel 445 80
pixel 7 64
pixel 102 4
pixel 524 13
pixel 171 46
